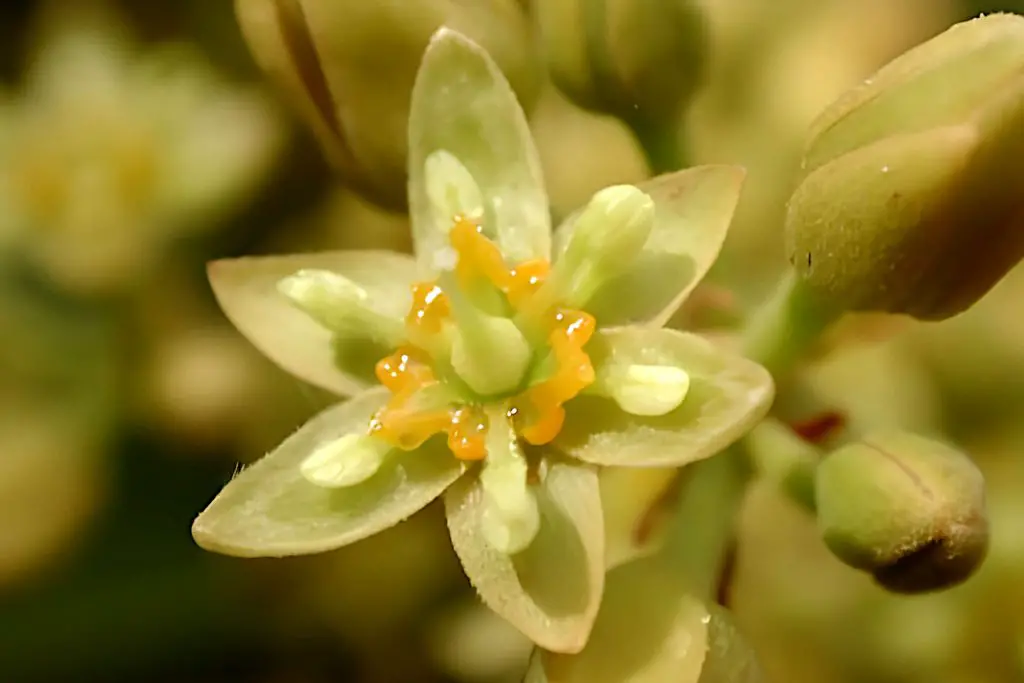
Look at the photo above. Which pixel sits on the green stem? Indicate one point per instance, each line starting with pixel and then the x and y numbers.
pixel 702 528
pixel 785 327
pixel 662 146
pixel 781 457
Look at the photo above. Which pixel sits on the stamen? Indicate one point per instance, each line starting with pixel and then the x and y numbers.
pixel 510 518
pixel 467 433
pixel 542 403
pixel 344 462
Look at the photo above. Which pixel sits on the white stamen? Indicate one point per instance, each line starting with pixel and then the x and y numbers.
pixel 344 462
pixel 649 390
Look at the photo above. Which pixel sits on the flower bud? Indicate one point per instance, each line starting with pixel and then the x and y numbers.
pixel 907 509
pixel 636 59
pixel 350 66
pixel 912 194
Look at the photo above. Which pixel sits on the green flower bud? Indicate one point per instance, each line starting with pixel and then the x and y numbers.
pixel 912 194
pixel 907 509
pixel 636 59
pixel 350 68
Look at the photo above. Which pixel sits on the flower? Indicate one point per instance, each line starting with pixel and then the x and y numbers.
pixel 111 153
pixel 505 378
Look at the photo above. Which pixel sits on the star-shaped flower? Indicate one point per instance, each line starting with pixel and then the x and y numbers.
pixel 508 367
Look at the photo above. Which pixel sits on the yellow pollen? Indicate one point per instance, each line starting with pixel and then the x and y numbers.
pixel 537 411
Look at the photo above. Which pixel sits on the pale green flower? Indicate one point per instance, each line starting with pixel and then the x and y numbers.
pixel 483 339
pixel 109 154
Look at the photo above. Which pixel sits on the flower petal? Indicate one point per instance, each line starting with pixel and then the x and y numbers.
pixel 462 105
pixel 694 208
pixel 651 629
pixel 727 396
pixel 270 509
pixel 551 590
pixel 246 289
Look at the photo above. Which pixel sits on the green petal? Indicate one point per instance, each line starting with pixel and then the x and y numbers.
pixel 651 630
pixel 462 104
pixel 693 210
pixel 551 590
pixel 727 396
pixel 246 289
pixel 270 509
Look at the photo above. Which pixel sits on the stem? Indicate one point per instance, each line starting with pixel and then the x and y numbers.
pixel 702 527
pixel 783 329
pixel 781 457
pixel 662 146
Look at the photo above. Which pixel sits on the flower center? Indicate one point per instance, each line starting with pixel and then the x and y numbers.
pixel 537 411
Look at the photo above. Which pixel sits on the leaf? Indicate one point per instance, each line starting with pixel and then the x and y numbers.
pixel 246 289
pixel 728 395
pixel 652 630
pixel 269 509
pixel 551 590
pixel 462 104
pixel 694 208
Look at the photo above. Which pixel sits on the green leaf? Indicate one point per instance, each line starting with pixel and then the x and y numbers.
pixel 246 289
pixel 551 590
pixel 694 208
pixel 652 630
pixel 728 395
pixel 462 105
pixel 269 509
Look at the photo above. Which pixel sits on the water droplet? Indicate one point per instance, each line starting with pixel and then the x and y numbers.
pixel 885 169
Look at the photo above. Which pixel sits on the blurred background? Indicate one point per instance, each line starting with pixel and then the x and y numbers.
pixel 138 140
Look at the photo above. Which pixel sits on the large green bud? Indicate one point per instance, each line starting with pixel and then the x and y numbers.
pixel 349 68
pixel 911 198
pixel 640 60
pixel 909 510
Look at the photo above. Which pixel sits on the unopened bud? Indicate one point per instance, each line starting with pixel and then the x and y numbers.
pixel 912 198
pixel 349 68
pixel 640 60
pixel 909 510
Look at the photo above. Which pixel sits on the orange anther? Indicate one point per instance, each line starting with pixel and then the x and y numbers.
pixel 543 412
pixel 467 433
pixel 429 309
pixel 478 256
pixel 525 279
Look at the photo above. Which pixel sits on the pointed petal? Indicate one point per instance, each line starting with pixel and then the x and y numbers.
pixel 727 396
pixel 270 509
pixel 462 105
pixel 650 629
pixel 246 289
pixel 551 590
pixel 694 208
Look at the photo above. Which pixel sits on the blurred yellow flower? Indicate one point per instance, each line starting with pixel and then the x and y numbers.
pixel 108 154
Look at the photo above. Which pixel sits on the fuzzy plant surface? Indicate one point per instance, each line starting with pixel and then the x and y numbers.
pixel 497 368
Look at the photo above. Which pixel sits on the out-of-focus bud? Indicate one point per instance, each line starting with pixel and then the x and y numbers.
pixel 912 194
pixel 636 59
pixel 350 67
pixel 907 509
pixel 652 629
